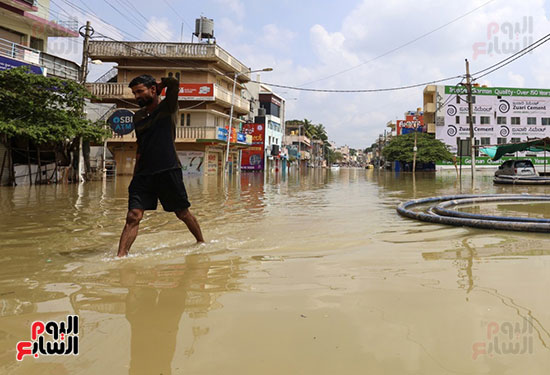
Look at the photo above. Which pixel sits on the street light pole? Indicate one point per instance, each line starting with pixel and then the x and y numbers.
pixel 237 74
pixel 230 121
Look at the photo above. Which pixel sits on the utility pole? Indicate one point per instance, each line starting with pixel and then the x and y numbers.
pixel 470 118
pixel 83 74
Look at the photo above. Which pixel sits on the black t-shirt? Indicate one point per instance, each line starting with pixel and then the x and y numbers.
pixel 156 133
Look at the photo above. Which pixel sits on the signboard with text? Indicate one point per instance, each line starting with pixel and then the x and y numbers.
pixel 194 91
pixel 411 123
pixel 7 63
pixel 122 121
pixel 253 157
pixel 499 112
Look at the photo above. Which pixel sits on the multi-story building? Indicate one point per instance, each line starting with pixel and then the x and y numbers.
pixel 25 26
pixel 297 143
pixel 268 109
pixel 500 115
pixel 206 73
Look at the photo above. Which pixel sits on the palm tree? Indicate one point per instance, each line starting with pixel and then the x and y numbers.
pixel 309 129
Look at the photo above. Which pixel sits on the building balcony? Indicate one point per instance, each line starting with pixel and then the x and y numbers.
pixel 118 51
pixel 192 134
pixel 111 92
pixel 291 139
pixel 52 65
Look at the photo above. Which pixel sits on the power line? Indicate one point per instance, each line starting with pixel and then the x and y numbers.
pixel 360 90
pixel 401 46
pixel 177 14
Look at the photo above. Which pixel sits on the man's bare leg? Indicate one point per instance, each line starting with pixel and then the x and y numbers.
pixel 130 231
pixel 192 224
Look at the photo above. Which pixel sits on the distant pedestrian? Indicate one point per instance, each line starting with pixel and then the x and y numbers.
pixel 157 173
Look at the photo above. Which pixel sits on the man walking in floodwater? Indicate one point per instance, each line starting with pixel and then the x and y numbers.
pixel 157 173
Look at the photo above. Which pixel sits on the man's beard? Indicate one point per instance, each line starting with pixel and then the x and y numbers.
pixel 144 102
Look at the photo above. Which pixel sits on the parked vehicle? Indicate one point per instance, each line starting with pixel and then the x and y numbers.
pixel 521 167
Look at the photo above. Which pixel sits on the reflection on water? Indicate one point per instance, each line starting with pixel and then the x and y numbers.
pixel 313 266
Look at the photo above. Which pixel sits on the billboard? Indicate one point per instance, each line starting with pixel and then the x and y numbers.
pixel 194 91
pixel 411 122
pixel 253 157
pixel 499 112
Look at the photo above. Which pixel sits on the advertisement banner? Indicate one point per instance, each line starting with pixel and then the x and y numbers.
pixel 191 162
pixel 411 123
pixel 253 157
pixel 498 113
pixel 194 91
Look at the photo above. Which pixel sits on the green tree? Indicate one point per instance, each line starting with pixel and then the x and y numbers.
pixel 430 149
pixel 44 109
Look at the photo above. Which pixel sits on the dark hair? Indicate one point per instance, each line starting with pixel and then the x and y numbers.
pixel 146 79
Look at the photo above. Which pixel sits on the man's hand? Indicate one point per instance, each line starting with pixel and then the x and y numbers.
pixel 160 86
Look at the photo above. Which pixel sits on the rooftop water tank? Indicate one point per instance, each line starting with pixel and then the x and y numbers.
pixel 204 28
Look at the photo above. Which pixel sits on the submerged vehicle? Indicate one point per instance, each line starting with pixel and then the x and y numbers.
pixel 523 167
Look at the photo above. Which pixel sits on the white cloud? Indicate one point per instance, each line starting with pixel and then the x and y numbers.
pixel 159 29
pixel 235 6
pixel 517 80
pixel 276 37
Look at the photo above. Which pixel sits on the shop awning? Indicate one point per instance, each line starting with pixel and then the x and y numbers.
pixel 536 145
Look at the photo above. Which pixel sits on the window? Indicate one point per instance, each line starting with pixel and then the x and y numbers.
pixel 457 120
pixel 515 140
pixel 484 120
pixel 501 141
pixel 473 100
pixel 545 120
pixel 531 121
pixel 185 119
pixel 473 119
pixel 515 121
pixel 457 99
pixel 485 141
pixel 271 108
pixel 501 120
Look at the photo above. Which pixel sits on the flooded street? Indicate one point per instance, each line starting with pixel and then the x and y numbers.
pixel 311 273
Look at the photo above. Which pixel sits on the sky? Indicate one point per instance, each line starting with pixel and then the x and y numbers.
pixel 344 44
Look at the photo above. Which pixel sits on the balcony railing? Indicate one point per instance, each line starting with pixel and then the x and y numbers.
pixel 109 49
pixel 183 133
pixel 108 91
pixel 54 65
pixel 113 91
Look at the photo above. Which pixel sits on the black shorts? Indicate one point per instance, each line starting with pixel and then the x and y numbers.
pixel 145 191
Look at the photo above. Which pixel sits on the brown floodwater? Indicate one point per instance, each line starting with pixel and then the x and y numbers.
pixel 307 273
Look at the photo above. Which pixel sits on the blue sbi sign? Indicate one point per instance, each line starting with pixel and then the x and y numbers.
pixel 122 121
